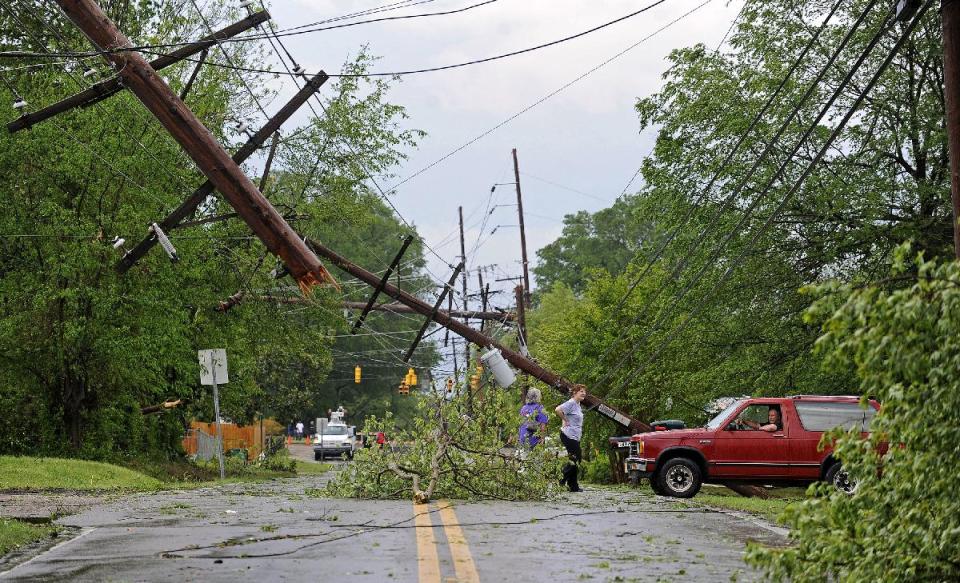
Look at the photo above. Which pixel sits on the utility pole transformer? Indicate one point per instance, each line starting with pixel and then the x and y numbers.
pixel 523 233
pixel 950 10
pixel 210 157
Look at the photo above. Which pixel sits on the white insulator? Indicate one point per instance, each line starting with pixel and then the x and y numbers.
pixel 19 104
pixel 241 127
pixel 118 242
pixel 89 72
pixel 298 70
pixel 165 242
pixel 247 3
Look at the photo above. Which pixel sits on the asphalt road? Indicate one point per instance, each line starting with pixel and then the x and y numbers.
pixel 284 530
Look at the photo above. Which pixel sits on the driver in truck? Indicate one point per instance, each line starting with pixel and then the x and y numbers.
pixel 774 422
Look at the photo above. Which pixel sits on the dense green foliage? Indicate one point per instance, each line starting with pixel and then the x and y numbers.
pixel 38 474
pixel 902 523
pixel 666 339
pixel 82 348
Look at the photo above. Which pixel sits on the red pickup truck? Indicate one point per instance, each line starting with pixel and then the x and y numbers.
pixel 759 440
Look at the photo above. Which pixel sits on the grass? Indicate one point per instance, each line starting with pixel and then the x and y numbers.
pixel 770 508
pixel 14 533
pixel 26 473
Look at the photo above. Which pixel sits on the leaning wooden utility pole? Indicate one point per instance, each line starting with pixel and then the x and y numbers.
pixel 950 10
pixel 523 233
pixel 463 261
pixel 564 386
pixel 198 142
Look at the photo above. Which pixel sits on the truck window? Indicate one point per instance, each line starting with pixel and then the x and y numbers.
pixel 824 416
pixel 336 430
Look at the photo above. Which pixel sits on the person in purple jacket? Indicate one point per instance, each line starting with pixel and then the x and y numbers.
pixel 535 419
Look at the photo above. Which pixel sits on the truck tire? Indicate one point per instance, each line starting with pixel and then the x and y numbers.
pixel 655 484
pixel 840 479
pixel 679 478
pixel 316 456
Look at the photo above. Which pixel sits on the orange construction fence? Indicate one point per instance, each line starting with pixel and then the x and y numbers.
pixel 247 437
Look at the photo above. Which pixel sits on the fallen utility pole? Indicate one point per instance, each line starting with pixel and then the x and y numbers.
pixel 209 156
pixel 189 206
pixel 463 261
pixel 523 233
pixel 104 89
pixel 433 313
pixel 523 363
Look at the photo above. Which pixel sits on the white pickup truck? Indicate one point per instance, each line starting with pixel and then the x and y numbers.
pixel 335 440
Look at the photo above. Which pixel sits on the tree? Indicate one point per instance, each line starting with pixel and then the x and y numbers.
pixel 82 349
pixel 901 523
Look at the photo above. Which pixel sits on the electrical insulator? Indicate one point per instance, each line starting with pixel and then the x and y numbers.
pixel 89 72
pixel 19 104
pixel 246 3
pixel 298 70
pixel 118 242
pixel 241 127
pixel 356 375
pixel 165 242
pixel 449 385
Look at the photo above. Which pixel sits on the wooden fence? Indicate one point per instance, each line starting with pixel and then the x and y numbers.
pixel 248 437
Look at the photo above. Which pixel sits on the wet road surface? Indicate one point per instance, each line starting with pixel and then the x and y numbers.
pixel 286 530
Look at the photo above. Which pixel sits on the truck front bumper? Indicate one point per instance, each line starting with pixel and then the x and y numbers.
pixel 642 466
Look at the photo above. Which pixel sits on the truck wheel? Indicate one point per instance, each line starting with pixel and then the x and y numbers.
pixel 679 478
pixel 316 456
pixel 841 480
pixel 350 455
pixel 655 484
pixel 633 478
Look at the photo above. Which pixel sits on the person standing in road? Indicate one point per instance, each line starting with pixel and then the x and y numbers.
pixel 299 429
pixel 534 423
pixel 571 430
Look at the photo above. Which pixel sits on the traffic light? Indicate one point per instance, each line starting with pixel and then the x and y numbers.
pixel 356 374
pixel 411 378
pixel 449 385
pixel 475 381
pixel 404 388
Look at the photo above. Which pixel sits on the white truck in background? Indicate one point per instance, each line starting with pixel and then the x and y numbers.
pixel 334 438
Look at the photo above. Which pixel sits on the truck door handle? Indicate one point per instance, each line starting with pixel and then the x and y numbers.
pixel 704 441
pixel 779 435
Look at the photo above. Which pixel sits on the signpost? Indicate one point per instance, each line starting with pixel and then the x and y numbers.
pixel 213 370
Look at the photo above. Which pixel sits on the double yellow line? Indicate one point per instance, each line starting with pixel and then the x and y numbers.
pixel 428 560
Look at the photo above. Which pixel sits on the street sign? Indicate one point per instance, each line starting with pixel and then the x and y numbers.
pixel 213 363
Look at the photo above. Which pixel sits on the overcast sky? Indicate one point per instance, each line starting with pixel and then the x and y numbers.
pixel 585 140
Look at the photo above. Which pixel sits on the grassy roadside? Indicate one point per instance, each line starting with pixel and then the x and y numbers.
pixel 26 473
pixel 14 533
pixel 770 509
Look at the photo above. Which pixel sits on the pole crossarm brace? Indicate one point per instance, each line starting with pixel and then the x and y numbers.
pixel 397 308
pixel 433 312
pixel 444 319
pixel 104 89
pixel 187 208
pixel 379 288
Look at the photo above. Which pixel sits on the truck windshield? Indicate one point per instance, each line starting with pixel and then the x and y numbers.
pixel 336 430
pixel 722 417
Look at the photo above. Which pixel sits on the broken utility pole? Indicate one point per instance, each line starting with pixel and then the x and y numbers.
pixel 104 89
pixel 470 335
pixel 199 143
pixel 523 233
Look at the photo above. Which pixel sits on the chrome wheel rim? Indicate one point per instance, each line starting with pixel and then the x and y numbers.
pixel 680 479
pixel 843 482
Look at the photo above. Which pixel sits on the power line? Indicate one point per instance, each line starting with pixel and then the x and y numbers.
pixel 547 97
pixel 812 87
pixel 149 49
pixel 806 173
